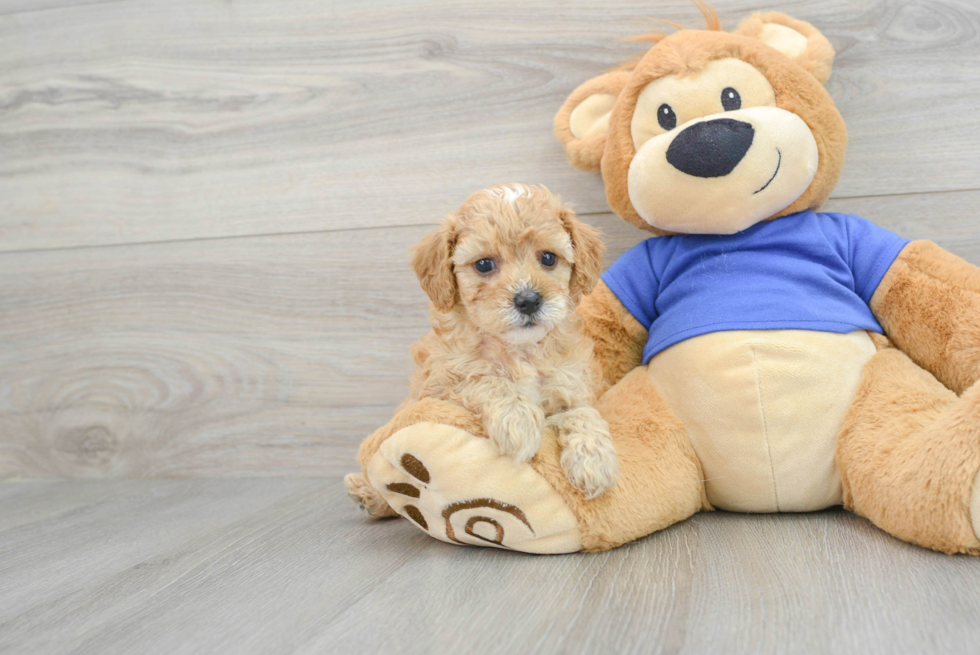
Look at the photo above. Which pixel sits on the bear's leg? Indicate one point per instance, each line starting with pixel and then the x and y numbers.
pixel 909 454
pixel 660 480
pixel 433 465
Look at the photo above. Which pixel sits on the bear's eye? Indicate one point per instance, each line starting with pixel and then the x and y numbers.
pixel 730 99
pixel 666 117
pixel 484 266
pixel 549 259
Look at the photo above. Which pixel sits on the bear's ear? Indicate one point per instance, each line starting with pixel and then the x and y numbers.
pixel 796 39
pixel 583 121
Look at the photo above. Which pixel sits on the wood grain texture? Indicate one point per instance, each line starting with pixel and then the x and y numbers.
pixel 269 356
pixel 290 566
pixel 145 121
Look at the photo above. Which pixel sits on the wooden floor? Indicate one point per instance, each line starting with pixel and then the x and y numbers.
pixel 205 208
pixel 277 566
pixel 289 566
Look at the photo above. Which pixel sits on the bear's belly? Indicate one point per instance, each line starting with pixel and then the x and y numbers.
pixel 763 409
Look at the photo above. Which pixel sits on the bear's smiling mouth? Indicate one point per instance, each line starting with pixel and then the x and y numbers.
pixel 778 162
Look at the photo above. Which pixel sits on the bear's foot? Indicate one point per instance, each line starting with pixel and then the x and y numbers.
pixel 455 487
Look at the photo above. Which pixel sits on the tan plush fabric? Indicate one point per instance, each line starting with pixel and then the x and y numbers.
pixel 763 410
pixel 459 490
pixel 788 41
pixel 816 55
pixel 427 409
pixel 660 480
pixel 975 505
pixel 726 205
pixel 797 82
pixel 697 96
pixel 586 153
pixel 797 91
pixel 617 338
pixel 591 117
pixel 909 453
pixel 929 305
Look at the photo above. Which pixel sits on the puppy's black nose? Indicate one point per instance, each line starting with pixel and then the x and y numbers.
pixel 527 302
pixel 712 148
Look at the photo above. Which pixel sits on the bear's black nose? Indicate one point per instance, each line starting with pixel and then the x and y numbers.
pixel 712 148
pixel 527 302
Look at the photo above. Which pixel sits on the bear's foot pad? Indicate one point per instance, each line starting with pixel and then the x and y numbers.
pixel 455 487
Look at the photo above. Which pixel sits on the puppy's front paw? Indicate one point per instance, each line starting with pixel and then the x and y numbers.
pixel 590 464
pixel 588 455
pixel 516 430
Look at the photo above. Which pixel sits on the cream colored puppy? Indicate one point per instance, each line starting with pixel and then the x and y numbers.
pixel 504 274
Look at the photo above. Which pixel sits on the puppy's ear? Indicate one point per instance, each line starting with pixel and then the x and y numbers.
pixel 797 39
pixel 587 246
pixel 583 121
pixel 433 264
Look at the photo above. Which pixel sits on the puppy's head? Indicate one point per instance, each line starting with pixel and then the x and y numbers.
pixel 513 260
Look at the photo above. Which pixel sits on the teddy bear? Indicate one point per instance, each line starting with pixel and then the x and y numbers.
pixel 756 355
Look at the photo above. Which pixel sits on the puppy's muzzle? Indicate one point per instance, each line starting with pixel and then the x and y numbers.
pixel 527 302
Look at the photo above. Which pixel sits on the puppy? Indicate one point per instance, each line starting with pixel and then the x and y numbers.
pixel 504 274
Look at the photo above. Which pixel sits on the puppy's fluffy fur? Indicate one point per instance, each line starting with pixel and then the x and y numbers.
pixel 516 370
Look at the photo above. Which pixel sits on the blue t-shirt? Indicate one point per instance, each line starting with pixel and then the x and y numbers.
pixel 805 271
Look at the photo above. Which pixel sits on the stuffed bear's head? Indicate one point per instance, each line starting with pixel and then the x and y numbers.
pixel 711 131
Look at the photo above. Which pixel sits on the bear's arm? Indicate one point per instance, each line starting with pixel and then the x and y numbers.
pixel 929 305
pixel 617 337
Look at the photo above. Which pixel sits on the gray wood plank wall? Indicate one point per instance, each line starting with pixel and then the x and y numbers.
pixel 205 206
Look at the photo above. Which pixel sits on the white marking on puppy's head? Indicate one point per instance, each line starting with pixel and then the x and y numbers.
pixel 521 261
pixel 509 193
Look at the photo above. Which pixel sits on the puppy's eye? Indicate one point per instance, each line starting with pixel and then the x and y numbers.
pixel 484 266
pixel 549 259
pixel 730 99
pixel 666 117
